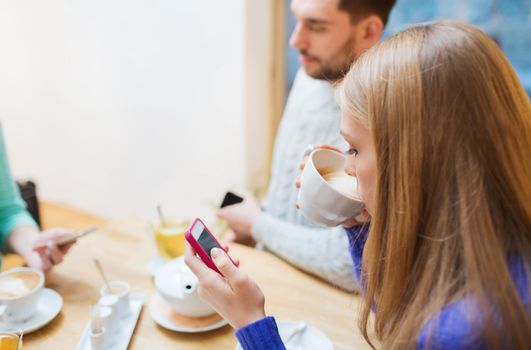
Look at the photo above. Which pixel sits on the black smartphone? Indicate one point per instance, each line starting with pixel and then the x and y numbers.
pixel 230 199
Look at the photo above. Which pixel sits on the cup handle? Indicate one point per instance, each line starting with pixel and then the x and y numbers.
pixel 309 149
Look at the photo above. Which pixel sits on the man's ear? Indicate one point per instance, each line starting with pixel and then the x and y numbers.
pixel 368 32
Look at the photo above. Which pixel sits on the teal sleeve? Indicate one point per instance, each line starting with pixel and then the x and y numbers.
pixel 13 211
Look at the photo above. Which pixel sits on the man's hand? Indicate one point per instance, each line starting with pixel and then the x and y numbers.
pixel 39 249
pixel 240 218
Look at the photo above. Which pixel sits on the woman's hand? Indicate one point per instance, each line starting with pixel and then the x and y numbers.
pixel 39 249
pixel 236 297
pixel 48 254
pixel 305 158
pixel 307 153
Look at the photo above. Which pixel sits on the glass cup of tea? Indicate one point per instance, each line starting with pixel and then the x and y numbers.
pixel 10 341
pixel 169 237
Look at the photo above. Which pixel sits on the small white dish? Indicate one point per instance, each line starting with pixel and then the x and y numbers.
pixel 166 317
pixel 125 327
pixel 49 305
pixel 310 338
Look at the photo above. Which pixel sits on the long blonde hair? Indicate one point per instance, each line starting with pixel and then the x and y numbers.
pixel 452 130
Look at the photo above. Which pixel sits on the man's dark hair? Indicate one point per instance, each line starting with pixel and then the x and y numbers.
pixel 358 9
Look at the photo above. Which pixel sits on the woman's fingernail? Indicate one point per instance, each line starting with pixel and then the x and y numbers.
pixel 215 252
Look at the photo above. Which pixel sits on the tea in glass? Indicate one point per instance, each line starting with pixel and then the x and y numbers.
pixel 169 238
pixel 10 341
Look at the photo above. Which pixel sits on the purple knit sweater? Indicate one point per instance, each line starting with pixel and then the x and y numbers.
pixel 451 327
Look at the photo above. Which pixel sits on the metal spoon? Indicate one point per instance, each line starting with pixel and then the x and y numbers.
pixel 161 217
pixel 100 269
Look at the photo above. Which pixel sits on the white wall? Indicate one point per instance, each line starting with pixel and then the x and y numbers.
pixel 113 106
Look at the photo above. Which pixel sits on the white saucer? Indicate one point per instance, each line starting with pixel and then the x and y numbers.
pixel 49 306
pixel 311 339
pixel 160 316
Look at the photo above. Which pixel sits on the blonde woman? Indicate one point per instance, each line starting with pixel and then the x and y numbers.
pixel 439 129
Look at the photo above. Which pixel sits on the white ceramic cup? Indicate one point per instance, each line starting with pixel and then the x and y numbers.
pixel 121 290
pixel 97 341
pixel 107 318
pixel 177 285
pixel 111 302
pixel 18 302
pixel 328 203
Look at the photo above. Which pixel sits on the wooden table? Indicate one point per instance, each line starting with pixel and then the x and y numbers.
pixel 125 248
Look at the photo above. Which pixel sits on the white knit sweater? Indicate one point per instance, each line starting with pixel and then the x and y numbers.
pixel 312 116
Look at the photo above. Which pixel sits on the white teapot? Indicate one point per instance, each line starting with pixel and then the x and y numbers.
pixel 177 285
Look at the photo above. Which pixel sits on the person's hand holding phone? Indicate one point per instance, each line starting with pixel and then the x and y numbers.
pixel 362 218
pixel 240 218
pixel 230 199
pixel 46 253
pixel 235 296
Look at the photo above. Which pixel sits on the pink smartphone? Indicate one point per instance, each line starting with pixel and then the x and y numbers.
pixel 203 242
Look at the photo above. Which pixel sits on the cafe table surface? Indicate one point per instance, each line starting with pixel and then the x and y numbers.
pixel 124 249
